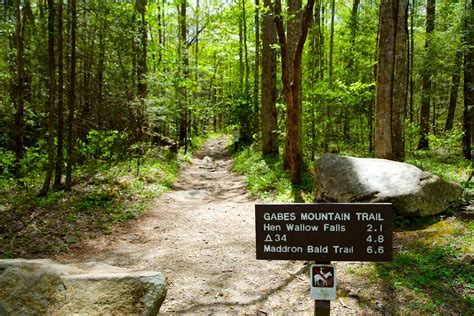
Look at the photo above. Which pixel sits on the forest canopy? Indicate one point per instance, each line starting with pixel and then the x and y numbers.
pixel 100 80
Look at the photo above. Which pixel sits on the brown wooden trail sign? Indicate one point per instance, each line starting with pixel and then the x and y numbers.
pixel 324 232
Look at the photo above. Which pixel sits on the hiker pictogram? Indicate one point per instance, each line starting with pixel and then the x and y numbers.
pixel 323 277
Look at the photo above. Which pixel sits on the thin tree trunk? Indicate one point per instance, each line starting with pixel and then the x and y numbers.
pixel 51 99
pixel 256 82
pixel 385 68
pixel 399 98
pixel 412 55
pixel 71 97
pixel 60 105
pixel 100 79
pixel 353 28
pixel 160 32
pixel 331 41
pixel 269 93
pixel 426 81
pixel 142 68
pixel 453 95
pixel 183 128
pixel 19 114
pixel 291 77
pixel 322 53
pixel 468 117
pixel 241 56
pixel 246 54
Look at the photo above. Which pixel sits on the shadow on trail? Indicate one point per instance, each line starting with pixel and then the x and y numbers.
pixel 262 298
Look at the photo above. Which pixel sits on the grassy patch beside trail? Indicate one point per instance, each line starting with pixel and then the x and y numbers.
pixel 104 195
pixel 267 179
pixel 427 274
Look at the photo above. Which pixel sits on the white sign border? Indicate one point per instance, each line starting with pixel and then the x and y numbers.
pixel 322 293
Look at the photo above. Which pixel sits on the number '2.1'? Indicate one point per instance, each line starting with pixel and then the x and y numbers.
pixel 370 228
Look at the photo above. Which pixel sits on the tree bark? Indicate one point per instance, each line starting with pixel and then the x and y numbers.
pixel 142 67
pixel 183 126
pixel 412 55
pixel 399 98
pixel 385 65
pixel 60 104
pixel 246 53
pixel 71 97
pixel 331 41
pixel 453 95
pixel 99 108
pixel 426 81
pixel 269 93
pixel 391 80
pixel 291 56
pixel 51 98
pixel 19 126
pixel 256 82
pixel 353 28
pixel 468 117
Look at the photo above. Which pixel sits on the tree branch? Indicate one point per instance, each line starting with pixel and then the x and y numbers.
pixel 280 28
pixel 304 30
pixel 193 40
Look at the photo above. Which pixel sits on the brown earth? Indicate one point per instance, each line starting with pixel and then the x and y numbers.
pixel 201 235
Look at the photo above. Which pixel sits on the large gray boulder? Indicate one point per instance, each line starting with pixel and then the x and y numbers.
pixel 45 287
pixel 412 191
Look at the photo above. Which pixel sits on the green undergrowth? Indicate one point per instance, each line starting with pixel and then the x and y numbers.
pixel 426 275
pixel 104 194
pixel 266 178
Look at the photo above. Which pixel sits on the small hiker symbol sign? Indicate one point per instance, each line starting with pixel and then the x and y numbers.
pixel 323 282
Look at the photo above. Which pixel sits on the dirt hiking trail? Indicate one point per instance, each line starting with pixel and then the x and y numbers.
pixel 201 235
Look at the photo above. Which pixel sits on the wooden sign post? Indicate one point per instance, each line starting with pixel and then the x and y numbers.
pixel 324 232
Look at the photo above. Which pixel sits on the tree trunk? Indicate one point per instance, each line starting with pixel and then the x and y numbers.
pixel 160 10
pixel 426 80
pixel 412 55
pixel 385 67
pixel 453 95
pixel 241 56
pixel 291 56
pixel 269 92
pixel 51 99
pixel 353 28
pixel 100 79
pixel 391 81
pixel 19 126
pixel 399 98
pixel 319 40
pixel 71 97
pixel 60 105
pixel 331 40
pixel 256 82
pixel 246 54
pixel 245 120
pixel 468 118
pixel 142 68
pixel 322 29
pixel 183 126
